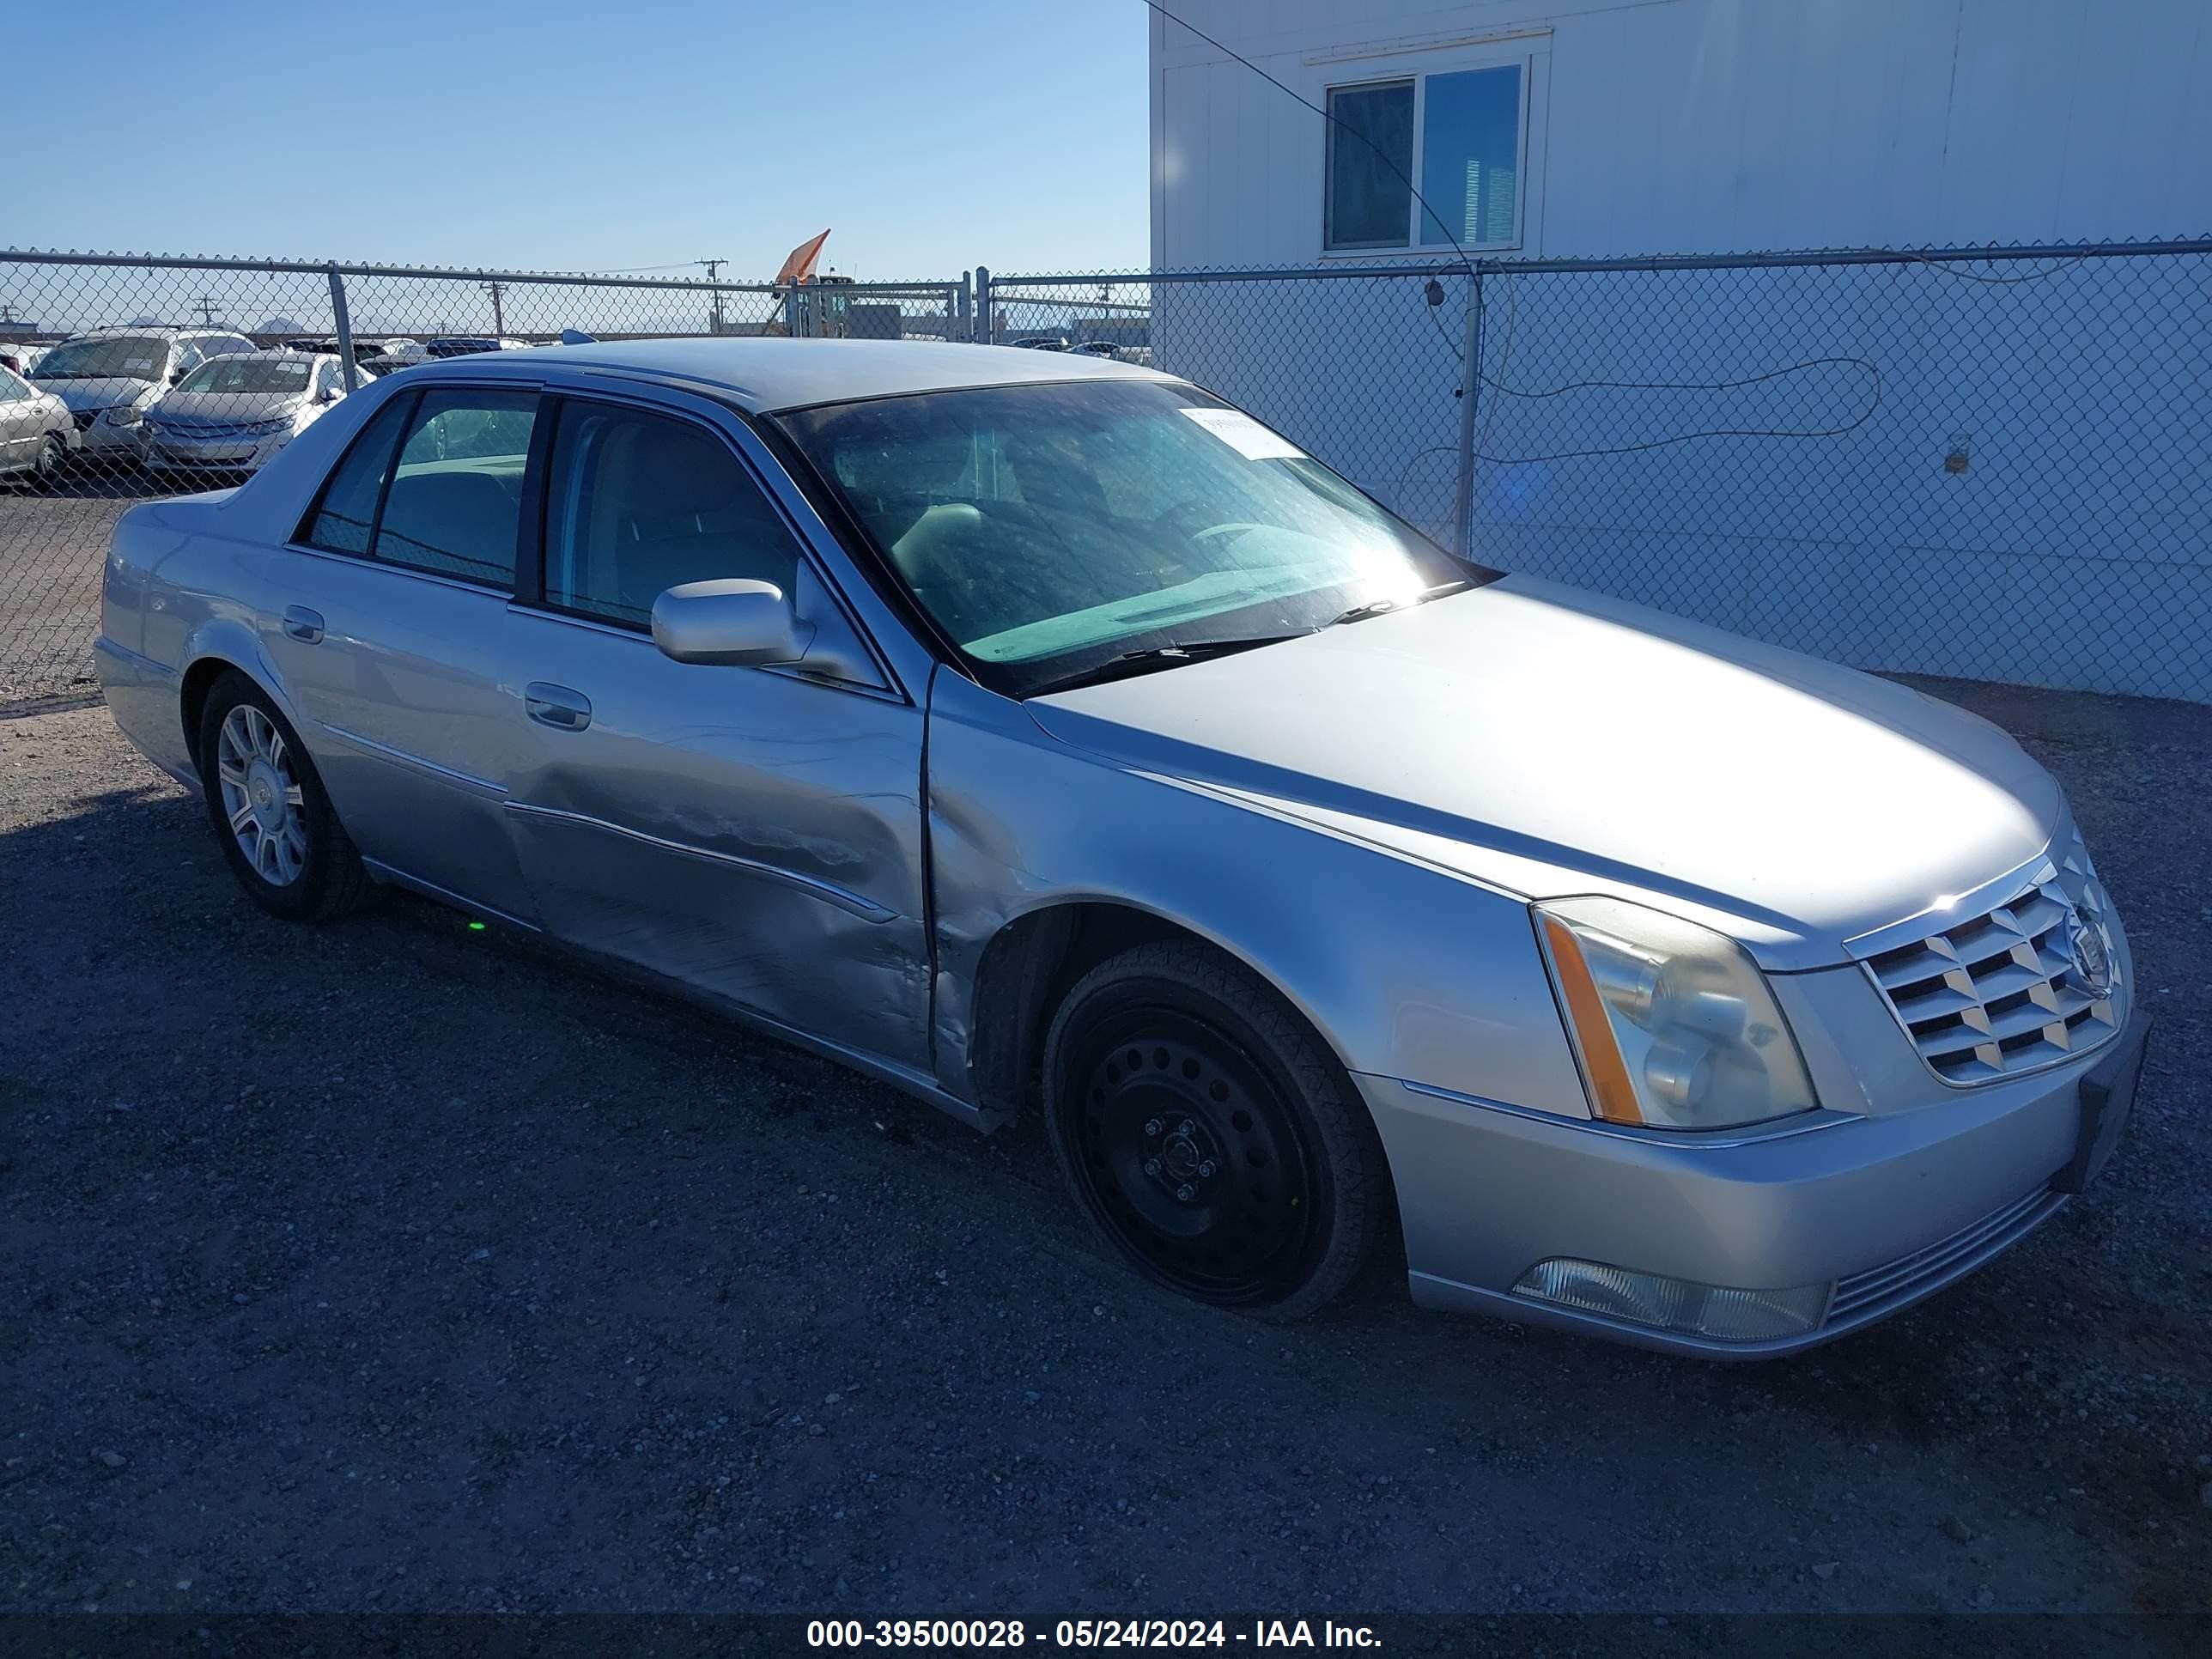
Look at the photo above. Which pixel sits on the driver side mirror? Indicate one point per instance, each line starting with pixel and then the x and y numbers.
pixel 747 624
pixel 731 621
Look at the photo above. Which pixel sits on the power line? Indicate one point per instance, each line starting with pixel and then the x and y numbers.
pixel 642 270
pixel 714 307
pixel 1342 126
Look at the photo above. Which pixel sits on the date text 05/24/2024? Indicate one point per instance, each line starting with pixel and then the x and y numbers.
pixel 1085 1633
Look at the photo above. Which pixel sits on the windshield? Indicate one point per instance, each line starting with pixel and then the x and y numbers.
pixel 116 356
pixel 242 374
pixel 1052 530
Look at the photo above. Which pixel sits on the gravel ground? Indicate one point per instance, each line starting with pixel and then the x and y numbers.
pixel 394 1266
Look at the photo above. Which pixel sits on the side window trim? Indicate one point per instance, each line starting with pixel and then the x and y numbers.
pixel 529 588
pixel 400 429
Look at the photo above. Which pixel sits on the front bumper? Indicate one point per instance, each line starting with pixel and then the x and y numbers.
pixel 101 438
pixel 242 454
pixel 1883 1209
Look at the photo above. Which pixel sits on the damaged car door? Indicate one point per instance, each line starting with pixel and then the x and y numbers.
pixel 751 831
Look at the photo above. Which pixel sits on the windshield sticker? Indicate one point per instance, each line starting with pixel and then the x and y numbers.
pixel 1245 436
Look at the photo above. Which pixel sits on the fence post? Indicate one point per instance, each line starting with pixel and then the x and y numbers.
pixel 965 330
pixel 982 333
pixel 345 328
pixel 1470 385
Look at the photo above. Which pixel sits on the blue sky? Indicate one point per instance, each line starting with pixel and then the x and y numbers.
pixel 561 135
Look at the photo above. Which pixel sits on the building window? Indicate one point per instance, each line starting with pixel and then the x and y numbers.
pixel 1370 156
pixel 1466 129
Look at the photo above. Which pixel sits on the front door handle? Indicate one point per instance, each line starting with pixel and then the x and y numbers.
pixel 303 624
pixel 556 706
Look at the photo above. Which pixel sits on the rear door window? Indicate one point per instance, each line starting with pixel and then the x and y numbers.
pixel 454 503
pixel 346 513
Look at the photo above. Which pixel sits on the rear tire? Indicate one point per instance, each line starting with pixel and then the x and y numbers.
pixel 272 817
pixel 1208 1136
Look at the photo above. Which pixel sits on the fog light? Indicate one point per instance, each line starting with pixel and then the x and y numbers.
pixel 1674 1304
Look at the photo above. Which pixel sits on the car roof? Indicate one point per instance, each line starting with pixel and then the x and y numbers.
pixel 763 376
pixel 142 331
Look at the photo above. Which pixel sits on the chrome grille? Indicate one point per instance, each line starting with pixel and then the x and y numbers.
pixel 2016 986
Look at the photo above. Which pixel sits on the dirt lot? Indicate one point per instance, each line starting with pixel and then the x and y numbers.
pixel 394 1266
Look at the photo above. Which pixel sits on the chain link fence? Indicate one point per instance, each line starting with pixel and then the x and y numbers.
pixel 1992 463
pixel 1988 463
pixel 130 378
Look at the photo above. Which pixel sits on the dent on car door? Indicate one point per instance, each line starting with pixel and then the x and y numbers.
pixel 749 832
pixel 388 637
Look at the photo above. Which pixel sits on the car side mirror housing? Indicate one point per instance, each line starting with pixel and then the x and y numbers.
pixel 731 622
pixel 735 622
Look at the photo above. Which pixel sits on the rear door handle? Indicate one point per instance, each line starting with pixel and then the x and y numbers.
pixel 303 624
pixel 556 706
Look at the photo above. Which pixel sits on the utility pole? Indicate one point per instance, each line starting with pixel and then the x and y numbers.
pixel 715 306
pixel 206 303
pixel 498 292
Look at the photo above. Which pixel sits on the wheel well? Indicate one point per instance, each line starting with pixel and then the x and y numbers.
pixel 198 678
pixel 1026 970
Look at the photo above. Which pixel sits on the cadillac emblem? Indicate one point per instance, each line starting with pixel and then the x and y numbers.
pixel 2093 955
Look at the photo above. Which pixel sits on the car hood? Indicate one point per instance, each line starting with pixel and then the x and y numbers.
pixel 228 408
pixel 102 393
pixel 1549 741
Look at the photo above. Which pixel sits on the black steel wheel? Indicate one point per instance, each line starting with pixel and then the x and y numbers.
pixel 1207 1136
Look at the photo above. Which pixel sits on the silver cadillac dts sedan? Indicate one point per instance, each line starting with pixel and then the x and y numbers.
pixel 1042 733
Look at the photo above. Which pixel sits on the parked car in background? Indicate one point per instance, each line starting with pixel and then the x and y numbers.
pixel 467 345
pixel 1044 734
pixel 21 359
pixel 1040 342
pixel 363 349
pixel 36 433
pixel 109 377
pixel 232 413
pixel 397 354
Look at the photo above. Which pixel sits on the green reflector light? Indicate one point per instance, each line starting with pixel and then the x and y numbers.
pixel 476 928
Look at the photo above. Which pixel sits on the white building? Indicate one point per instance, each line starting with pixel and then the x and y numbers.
pixel 1598 127
pixel 1913 468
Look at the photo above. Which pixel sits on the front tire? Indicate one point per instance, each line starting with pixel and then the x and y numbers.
pixel 1207 1136
pixel 274 821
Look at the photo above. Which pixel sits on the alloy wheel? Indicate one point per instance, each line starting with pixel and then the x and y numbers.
pixel 261 797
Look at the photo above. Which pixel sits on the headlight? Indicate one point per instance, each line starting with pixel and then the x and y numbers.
pixel 121 414
pixel 1673 1023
